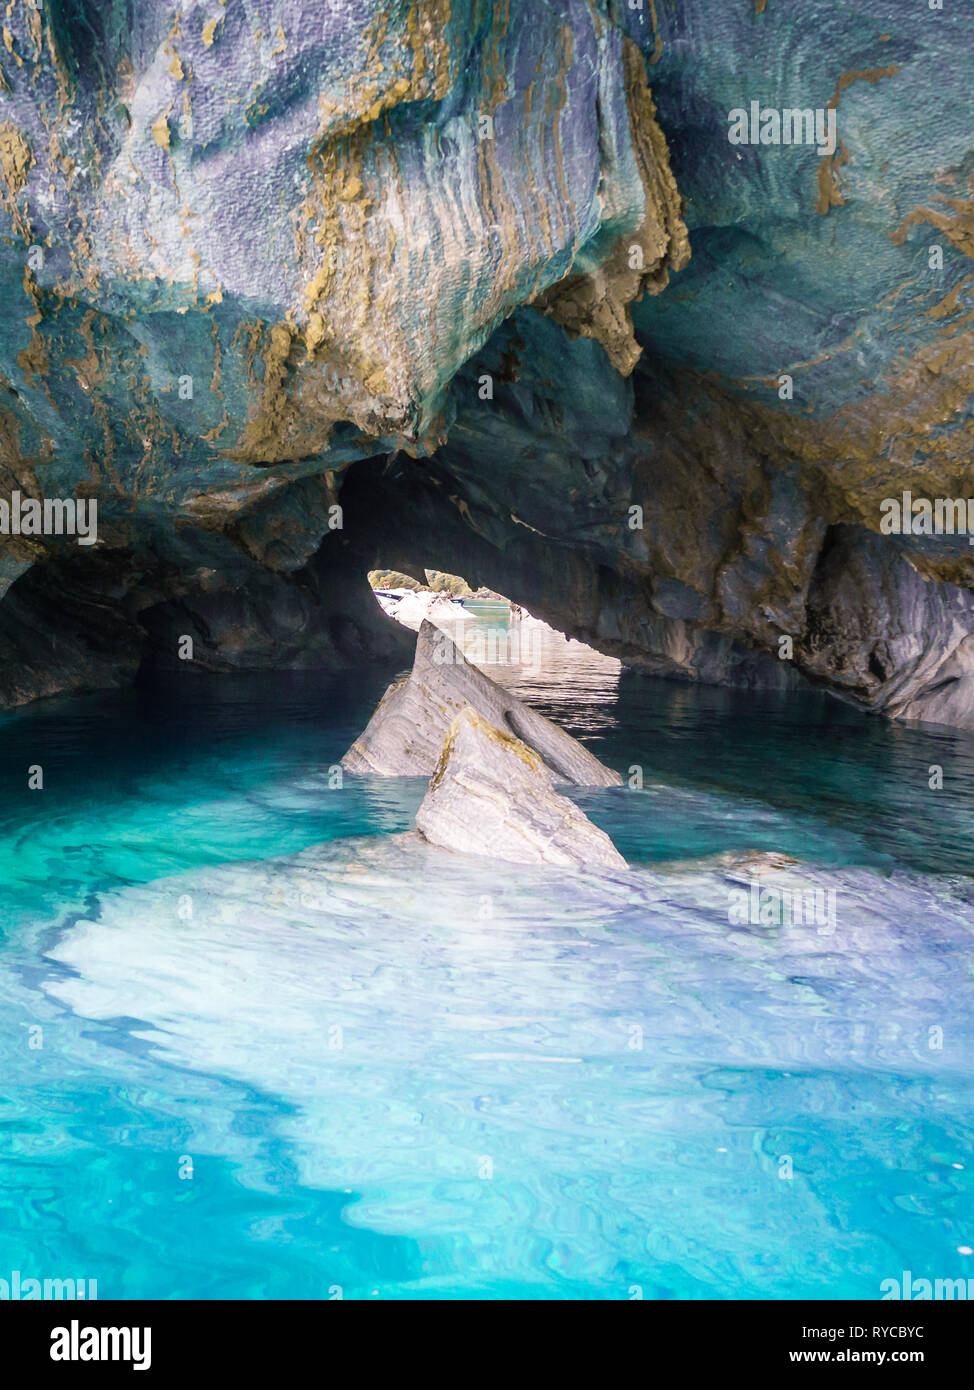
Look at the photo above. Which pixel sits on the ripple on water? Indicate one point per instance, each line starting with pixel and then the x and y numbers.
pixel 546 1085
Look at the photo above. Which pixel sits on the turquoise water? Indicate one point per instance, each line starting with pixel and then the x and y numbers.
pixel 395 1073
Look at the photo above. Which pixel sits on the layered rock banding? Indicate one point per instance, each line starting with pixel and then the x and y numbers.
pixel 493 796
pixel 405 736
pixel 388 286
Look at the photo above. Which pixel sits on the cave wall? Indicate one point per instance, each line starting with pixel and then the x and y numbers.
pixel 295 291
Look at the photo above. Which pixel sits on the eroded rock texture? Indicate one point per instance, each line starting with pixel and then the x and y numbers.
pixel 405 736
pixel 298 291
pixel 493 796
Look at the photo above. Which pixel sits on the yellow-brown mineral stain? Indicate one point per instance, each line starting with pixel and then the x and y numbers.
pixel 16 159
pixel 888 441
pixel 16 162
pixel 36 32
pixel 8 40
pixel 957 228
pixel 657 37
pixel 209 32
pixel 160 131
pixel 829 192
pixel 597 306
pixel 17 471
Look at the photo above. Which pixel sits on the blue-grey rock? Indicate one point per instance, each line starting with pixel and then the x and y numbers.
pixel 247 252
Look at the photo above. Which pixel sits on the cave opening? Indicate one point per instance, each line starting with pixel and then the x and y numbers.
pixel 515 647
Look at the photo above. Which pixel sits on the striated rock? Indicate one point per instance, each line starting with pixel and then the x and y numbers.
pixel 315 221
pixel 493 796
pixel 238 255
pixel 404 737
pixel 880 629
pixel 735 549
pixel 246 263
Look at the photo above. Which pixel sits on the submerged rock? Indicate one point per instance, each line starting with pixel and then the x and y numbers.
pixel 440 1010
pixel 404 737
pixel 492 795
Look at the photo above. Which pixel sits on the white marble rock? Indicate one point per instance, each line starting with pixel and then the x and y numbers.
pixel 405 735
pixel 492 796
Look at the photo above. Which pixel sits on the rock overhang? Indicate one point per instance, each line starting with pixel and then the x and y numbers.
pixel 425 170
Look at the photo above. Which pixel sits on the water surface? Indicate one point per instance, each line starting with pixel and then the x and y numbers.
pixel 396 1073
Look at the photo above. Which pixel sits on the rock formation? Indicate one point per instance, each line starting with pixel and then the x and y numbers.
pixel 493 796
pixel 404 737
pixel 392 286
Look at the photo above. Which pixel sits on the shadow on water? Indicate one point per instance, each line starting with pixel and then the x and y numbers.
pixel 807 755
pixel 160 778
pixel 203 768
